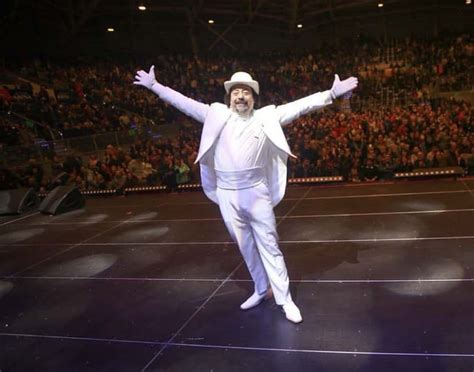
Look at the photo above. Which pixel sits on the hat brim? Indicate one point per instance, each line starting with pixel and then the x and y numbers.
pixel 252 84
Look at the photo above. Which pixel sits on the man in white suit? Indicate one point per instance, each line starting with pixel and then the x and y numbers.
pixel 243 155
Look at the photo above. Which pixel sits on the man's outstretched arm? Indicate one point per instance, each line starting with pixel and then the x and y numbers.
pixel 293 110
pixel 186 105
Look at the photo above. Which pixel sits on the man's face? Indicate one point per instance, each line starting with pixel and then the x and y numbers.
pixel 241 99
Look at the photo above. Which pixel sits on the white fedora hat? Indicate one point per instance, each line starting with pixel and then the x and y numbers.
pixel 241 78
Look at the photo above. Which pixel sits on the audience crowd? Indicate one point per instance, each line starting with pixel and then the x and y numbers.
pixel 360 145
pixel 366 146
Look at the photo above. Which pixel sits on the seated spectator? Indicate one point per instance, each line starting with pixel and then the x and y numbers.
pixel 368 171
pixel 118 180
pixel 113 156
pixel 182 172
pixel 467 162
pixel 305 169
pixel 135 168
pixel 168 174
pixel 354 173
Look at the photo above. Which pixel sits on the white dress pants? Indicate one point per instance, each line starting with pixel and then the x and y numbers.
pixel 249 217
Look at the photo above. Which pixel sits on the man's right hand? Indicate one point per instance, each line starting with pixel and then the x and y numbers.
pixel 340 88
pixel 146 79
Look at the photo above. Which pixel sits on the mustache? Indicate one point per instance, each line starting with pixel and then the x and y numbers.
pixel 240 101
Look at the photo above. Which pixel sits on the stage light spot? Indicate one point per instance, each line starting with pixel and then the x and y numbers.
pixel 434 270
pixel 144 216
pixel 5 287
pixel 141 234
pixel 20 236
pixel 71 214
pixel 84 267
pixel 95 218
pixel 422 205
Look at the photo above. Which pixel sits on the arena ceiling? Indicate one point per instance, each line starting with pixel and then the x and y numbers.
pixel 176 25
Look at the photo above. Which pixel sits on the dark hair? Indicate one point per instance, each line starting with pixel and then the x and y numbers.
pixel 255 96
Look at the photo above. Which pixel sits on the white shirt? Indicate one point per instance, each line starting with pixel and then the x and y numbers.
pixel 241 144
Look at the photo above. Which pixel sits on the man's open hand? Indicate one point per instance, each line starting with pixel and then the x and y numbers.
pixel 340 88
pixel 146 79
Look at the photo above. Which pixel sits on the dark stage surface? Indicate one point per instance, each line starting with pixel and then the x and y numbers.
pixel 383 275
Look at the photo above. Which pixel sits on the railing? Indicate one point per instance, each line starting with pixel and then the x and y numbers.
pixel 39 129
pixel 84 146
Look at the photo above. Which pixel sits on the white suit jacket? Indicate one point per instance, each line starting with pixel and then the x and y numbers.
pixel 273 117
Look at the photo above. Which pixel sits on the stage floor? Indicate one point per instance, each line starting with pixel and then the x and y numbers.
pixel 383 274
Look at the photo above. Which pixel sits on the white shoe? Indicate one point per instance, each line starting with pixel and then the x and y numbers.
pixel 252 301
pixel 292 312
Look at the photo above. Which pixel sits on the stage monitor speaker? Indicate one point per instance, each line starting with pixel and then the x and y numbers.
pixel 62 199
pixel 17 201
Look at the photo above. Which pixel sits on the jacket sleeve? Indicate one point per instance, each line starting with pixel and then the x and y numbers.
pixel 293 110
pixel 186 105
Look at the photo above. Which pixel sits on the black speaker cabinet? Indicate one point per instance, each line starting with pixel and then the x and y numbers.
pixel 62 199
pixel 18 201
